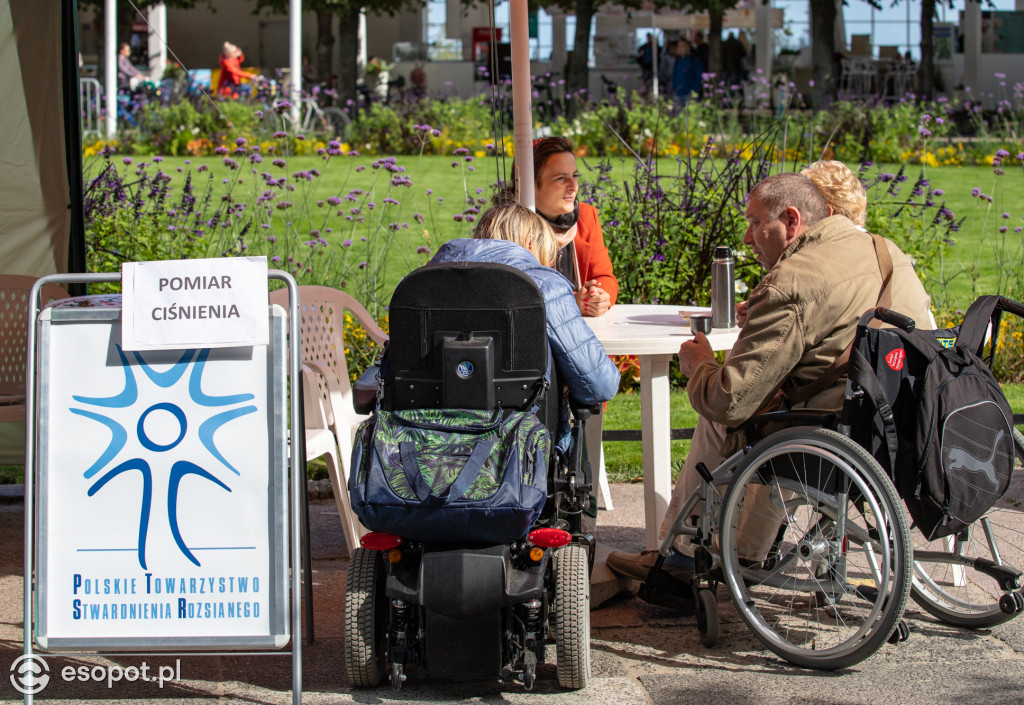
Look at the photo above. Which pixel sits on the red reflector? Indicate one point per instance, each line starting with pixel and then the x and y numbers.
pixel 550 538
pixel 379 541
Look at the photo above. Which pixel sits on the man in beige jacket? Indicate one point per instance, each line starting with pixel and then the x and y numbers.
pixel 822 274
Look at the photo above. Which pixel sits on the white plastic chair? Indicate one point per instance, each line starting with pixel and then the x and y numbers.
pixel 321 441
pixel 14 293
pixel 323 350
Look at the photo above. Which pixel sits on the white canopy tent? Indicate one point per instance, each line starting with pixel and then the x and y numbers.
pixel 41 228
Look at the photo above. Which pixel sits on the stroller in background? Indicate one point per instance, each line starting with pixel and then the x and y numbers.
pixel 456 599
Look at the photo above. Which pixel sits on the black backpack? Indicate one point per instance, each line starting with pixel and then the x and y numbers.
pixel 934 417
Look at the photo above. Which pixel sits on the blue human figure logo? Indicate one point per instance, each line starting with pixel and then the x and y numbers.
pixel 192 362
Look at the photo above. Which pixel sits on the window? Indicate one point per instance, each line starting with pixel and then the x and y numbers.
pixel 435 33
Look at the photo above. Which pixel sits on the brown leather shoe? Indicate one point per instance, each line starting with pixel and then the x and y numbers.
pixel 632 565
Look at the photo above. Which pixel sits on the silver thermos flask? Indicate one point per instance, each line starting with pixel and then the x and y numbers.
pixel 723 289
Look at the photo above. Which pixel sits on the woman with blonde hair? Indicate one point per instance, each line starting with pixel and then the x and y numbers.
pixel 844 195
pixel 514 235
pixel 842 190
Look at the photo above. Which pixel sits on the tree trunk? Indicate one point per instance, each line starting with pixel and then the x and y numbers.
pixel 823 50
pixel 348 41
pixel 926 70
pixel 578 78
pixel 715 45
pixel 324 47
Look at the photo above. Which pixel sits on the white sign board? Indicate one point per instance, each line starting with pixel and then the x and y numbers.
pixel 208 303
pixel 163 499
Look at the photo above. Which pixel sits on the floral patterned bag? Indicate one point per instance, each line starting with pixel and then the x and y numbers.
pixel 450 475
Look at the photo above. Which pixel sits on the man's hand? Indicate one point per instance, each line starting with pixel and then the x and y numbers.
pixel 592 299
pixel 741 313
pixel 693 352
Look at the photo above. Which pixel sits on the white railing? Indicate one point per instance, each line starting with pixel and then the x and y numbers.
pixel 90 96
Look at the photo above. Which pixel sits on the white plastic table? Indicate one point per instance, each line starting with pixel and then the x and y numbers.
pixel 654 334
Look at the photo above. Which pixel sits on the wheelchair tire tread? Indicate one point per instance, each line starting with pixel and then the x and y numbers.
pixel 572 616
pixel 364 657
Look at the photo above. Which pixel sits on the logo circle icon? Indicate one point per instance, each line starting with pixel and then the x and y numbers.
pixel 178 415
pixel 29 674
pixel 465 369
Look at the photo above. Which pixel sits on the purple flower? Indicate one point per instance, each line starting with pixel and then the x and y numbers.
pixel 423 250
pixel 1006 215
pixel 128 160
pixel 347 243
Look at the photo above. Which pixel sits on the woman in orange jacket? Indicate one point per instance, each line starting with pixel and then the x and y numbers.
pixel 583 257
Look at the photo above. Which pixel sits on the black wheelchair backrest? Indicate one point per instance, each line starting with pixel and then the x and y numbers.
pixel 466 335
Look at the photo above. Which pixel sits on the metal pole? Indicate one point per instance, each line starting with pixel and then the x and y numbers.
pixel 655 59
pixel 298 476
pixel 522 108
pixel 110 65
pixel 295 55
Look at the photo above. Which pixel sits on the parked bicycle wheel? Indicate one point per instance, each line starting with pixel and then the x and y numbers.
pixel 831 588
pixel 961 579
pixel 338 123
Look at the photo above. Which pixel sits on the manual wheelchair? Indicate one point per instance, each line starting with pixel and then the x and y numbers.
pixel 473 336
pixel 829 585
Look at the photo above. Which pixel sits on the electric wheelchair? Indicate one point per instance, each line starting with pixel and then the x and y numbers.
pixel 828 584
pixel 473 336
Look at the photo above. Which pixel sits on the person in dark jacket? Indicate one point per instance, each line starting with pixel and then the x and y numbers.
pixel 512 234
pixel 686 73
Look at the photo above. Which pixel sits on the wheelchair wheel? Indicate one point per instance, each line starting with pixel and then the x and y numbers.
pixel 571 615
pixel 948 583
pixel 838 576
pixel 366 613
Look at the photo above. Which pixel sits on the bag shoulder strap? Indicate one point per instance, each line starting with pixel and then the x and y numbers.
pixel 976 322
pixel 831 374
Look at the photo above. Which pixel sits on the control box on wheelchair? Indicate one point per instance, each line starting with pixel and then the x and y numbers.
pixel 480 545
pixel 811 537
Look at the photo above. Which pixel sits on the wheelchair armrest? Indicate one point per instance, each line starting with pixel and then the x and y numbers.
pixel 364 391
pixel 584 412
pixel 810 417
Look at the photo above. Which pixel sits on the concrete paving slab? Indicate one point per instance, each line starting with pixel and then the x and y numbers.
pixel 642 654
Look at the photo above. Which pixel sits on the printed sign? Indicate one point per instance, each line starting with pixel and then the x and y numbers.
pixel 163 497
pixel 208 303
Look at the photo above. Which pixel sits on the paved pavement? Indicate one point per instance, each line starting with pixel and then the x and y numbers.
pixel 641 654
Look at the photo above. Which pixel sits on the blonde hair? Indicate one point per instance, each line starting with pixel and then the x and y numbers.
pixel 518 224
pixel 840 188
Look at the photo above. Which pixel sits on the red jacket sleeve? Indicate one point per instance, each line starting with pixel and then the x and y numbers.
pixel 591 253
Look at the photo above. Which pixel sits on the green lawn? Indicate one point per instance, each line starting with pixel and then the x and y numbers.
pixel 439 191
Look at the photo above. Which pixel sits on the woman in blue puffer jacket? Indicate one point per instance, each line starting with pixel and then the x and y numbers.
pixel 514 235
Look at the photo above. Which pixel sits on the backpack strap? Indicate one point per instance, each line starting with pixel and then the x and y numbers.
pixel 862 371
pixel 983 311
pixel 831 374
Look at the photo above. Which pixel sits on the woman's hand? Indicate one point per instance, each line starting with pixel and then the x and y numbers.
pixel 592 299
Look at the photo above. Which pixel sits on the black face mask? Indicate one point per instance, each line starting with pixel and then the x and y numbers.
pixel 566 220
